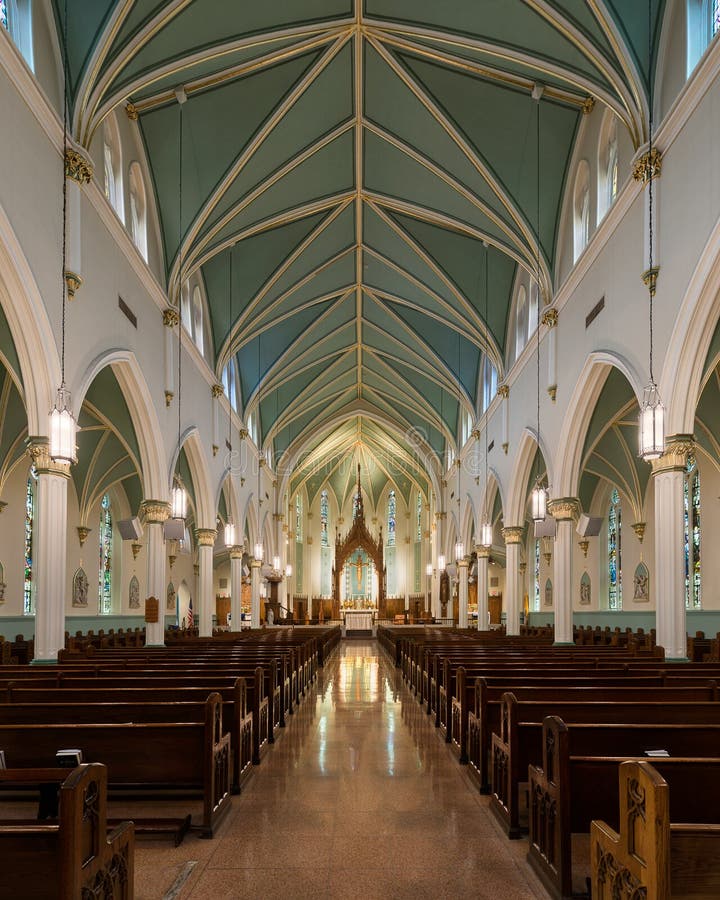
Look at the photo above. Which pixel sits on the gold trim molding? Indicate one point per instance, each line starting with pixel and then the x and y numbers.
pixel 132 111
pixel 38 450
pixel 169 397
pixel 588 105
pixel 217 390
pixel 677 449
pixel 205 537
pixel 648 166
pixel 564 509
pixel 639 529
pixel 83 533
pixel 73 283
pixel 650 277
pixel 154 512
pixel 504 391
pixel 170 317
pixel 513 534
pixel 78 167
pixel 550 317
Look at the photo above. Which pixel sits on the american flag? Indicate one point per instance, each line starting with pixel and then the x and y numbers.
pixel 190 616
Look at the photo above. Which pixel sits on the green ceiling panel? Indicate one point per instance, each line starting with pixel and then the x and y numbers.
pixel 86 22
pixel 212 139
pixel 13 424
pixel 615 395
pixel 510 146
pixel 182 469
pixel 588 486
pixel 8 353
pixel 631 18
pixel 105 395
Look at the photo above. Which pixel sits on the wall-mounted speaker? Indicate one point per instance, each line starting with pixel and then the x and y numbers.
pixel 130 529
pixel 589 526
pixel 174 529
pixel 546 528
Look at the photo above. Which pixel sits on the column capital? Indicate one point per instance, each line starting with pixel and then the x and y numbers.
pixel 550 317
pixel 255 563
pixel 464 562
pixel 482 552
pixel 38 449
pixel 217 390
pixel 78 167
pixel 154 512
pixel 677 449
pixel 564 509
pixel 205 537
pixel 170 317
pixel 236 551
pixel 440 515
pixel 513 534
pixel 639 529
pixel 503 391
pixel 647 166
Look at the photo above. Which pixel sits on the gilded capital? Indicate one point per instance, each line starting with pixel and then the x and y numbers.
pixel 205 537
pixel 476 434
pixel 648 166
pixel 168 397
pixel 83 533
pixel 131 111
pixel 639 529
pixel 504 391
pixel 217 391
pixel 73 283
pixel 564 509
pixel 170 317
pixel 78 167
pixel 38 449
pixel 242 433
pixel 255 563
pixel 677 449
pixel 513 534
pixel 154 512
pixel 650 277
pixel 482 552
pixel 550 317
pixel 588 105
pixel 236 552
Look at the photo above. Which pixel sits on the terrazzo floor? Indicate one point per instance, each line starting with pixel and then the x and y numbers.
pixel 358 798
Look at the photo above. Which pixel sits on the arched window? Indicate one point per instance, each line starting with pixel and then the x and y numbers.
pixel 489 383
pixel 693 592
pixel 185 311
pixel 198 325
pixel 324 539
pixel 581 210
pixel 703 24
pixel 533 307
pixel 4 15
pixel 391 515
pixel 138 210
pixel 715 18
pixel 298 519
pixel 112 167
pixel 418 518
pixel 615 552
pixel 16 18
pixel 607 164
pixel 229 382
pixel 252 429
pixel 105 532
pixel 520 321
pixel 28 593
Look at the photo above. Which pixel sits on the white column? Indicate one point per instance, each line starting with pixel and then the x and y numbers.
pixel 236 554
pixel 463 593
pixel 565 512
pixel 513 536
pixel 154 514
pixel 483 558
pixel 668 481
pixel 171 320
pixel 205 538
pixel 50 546
pixel 255 565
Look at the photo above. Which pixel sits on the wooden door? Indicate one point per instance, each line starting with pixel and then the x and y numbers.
pixel 495 607
pixel 222 608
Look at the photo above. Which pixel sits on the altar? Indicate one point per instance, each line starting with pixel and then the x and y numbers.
pixel 358 619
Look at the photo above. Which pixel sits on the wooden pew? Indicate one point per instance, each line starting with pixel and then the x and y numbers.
pixel 154 757
pixel 75 858
pixel 651 856
pixel 568 792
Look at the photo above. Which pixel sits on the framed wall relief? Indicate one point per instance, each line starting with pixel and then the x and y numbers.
pixel 585 590
pixel 170 601
pixel 641 584
pixel 134 591
pixel 548 593
pixel 80 589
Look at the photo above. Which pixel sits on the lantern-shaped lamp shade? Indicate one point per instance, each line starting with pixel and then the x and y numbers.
pixel 179 502
pixel 441 562
pixel 651 424
pixel 259 551
pixel 459 550
pixel 288 571
pixel 230 534
pixel 428 570
pixel 486 534
pixel 62 430
pixel 276 563
pixel 538 503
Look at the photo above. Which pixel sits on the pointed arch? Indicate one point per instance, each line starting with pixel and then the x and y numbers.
pixel 205 513
pixel 529 445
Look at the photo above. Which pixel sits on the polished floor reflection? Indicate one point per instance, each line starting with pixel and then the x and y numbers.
pixel 358 798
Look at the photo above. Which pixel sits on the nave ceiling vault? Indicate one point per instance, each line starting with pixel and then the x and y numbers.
pixel 354 156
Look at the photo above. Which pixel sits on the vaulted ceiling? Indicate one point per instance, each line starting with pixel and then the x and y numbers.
pixel 355 156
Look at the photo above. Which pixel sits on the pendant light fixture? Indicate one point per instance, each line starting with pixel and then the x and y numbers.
pixel 179 495
pixel 63 427
pixel 651 421
pixel 538 498
pixel 486 529
pixel 459 551
pixel 441 562
pixel 230 527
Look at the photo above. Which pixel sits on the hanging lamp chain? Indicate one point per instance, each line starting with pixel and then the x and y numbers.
pixel 650 183
pixel 64 192
pixel 537 259
pixel 180 272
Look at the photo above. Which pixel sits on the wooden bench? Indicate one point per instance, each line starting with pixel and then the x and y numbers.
pixel 157 758
pixel 75 858
pixel 568 792
pixel 651 856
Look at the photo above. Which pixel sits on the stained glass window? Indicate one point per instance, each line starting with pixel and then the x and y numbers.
pixel 3 14
pixel 615 552
pixel 715 23
pixel 105 576
pixel 693 593
pixel 324 540
pixel 356 505
pixel 536 598
pixel 391 512
pixel 29 521
pixel 298 519
pixel 418 518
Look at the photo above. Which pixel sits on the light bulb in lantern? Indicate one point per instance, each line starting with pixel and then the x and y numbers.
pixel 429 570
pixel 486 534
pixel 259 551
pixel 288 571
pixel 459 550
pixel 651 424
pixel 538 503
pixel 276 563
pixel 441 562
pixel 230 535
pixel 179 502
pixel 63 429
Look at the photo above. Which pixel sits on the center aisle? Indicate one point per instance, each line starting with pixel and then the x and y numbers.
pixel 360 797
